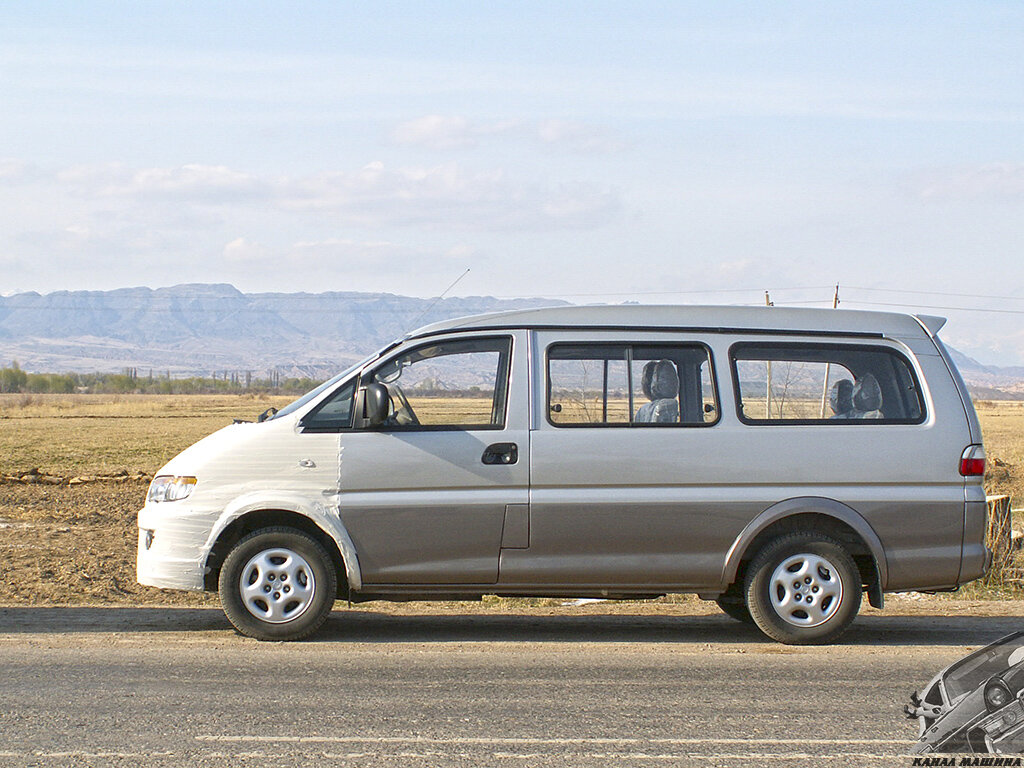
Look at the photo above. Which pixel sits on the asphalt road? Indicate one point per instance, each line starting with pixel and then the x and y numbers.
pixel 163 686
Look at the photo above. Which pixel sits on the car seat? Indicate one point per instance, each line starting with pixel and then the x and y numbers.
pixel 867 398
pixel 660 384
pixel 840 399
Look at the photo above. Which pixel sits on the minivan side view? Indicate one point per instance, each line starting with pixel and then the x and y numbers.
pixel 780 462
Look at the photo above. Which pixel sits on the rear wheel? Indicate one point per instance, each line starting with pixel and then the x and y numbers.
pixel 277 584
pixel 803 589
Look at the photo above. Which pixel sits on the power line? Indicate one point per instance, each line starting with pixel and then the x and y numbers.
pixel 669 293
pixel 936 306
pixel 937 293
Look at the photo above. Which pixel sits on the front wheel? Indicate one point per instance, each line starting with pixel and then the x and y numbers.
pixel 277 584
pixel 803 589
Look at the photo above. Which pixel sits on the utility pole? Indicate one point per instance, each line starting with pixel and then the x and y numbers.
pixel 828 366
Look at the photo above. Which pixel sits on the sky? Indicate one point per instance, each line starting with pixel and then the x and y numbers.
pixel 683 152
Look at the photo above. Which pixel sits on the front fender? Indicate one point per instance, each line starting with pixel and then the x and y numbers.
pixel 325 517
pixel 806 505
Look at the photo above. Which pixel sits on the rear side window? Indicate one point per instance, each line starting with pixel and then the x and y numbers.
pixel 638 385
pixel 824 383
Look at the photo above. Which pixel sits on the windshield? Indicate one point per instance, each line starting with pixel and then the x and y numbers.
pixel 313 393
pixel 970 672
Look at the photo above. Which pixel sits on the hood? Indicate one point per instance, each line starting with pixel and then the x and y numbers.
pixel 193 459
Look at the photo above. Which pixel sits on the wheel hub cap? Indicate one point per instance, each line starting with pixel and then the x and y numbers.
pixel 277 585
pixel 806 590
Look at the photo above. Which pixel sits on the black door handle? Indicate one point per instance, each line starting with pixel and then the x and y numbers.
pixel 500 453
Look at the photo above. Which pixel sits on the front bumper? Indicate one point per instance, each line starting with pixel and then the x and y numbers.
pixel 171 553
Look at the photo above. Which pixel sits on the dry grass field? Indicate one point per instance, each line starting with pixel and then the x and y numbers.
pixel 63 544
pixel 1002 423
pixel 102 434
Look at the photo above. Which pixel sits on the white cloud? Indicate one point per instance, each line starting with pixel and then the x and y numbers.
pixel 448 132
pixel 995 180
pixel 375 195
pixel 244 251
pixel 192 181
pixel 345 259
pixel 570 136
pixel 436 132
pixel 12 171
pixel 452 131
pixel 195 181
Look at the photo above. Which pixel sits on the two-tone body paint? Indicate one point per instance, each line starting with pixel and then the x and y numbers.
pixel 594 509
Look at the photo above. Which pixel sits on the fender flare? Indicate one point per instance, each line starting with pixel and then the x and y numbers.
pixel 804 505
pixel 325 517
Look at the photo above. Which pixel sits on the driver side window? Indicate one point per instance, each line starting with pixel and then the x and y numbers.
pixel 447 385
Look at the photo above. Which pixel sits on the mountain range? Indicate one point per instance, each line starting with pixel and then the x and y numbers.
pixel 204 329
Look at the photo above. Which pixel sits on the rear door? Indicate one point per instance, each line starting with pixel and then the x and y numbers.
pixel 625 424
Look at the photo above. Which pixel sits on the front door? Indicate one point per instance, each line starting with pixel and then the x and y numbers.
pixel 424 496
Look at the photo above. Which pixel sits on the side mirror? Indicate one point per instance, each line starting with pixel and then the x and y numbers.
pixel 372 404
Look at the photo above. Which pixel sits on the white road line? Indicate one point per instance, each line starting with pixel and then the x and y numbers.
pixel 405 754
pixel 683 756
pixel 678 758
pixel 85 755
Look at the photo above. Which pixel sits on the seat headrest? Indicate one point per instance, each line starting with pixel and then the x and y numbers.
pixel 840 397
pixel 645 378
pixel 660 380
pixel 867 395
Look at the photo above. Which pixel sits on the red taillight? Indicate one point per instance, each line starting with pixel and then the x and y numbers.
pixel 972 467
pixel 972 462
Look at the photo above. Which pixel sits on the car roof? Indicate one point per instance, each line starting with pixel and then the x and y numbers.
pixel 670 317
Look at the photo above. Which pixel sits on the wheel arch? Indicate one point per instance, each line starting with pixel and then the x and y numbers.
pixel 257 511
pixel 821 515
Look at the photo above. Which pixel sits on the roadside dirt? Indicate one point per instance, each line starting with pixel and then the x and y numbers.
pixel 75 545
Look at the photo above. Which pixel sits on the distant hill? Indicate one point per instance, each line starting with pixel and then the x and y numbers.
pixel 200 329
pixel 989 382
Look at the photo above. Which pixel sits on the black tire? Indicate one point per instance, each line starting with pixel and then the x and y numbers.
pixel 735 608
pixel 294 606
pixel 828 581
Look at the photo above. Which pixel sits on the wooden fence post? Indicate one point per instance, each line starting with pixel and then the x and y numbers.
pixel 999 535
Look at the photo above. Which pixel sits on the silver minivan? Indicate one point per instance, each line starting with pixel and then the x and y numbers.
pixel 778 461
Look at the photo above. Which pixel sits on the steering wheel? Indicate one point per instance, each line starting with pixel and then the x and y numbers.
pixel 404 416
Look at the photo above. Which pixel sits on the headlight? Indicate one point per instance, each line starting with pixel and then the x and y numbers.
pixel 997 695
pixel 170 488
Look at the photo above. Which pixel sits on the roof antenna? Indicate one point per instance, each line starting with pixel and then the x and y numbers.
pixel 443 294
